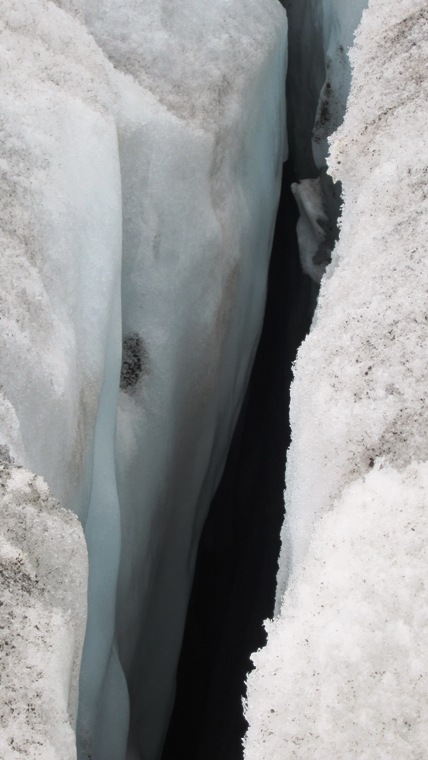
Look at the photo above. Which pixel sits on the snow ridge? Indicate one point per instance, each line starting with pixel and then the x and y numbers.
pixel 344 671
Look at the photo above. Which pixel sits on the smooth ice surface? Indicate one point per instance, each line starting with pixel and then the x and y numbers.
pixel 143 144
pixel 344 671
pixel 43 577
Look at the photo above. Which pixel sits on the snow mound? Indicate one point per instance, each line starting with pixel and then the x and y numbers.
pixel 43 576
pixel 344 674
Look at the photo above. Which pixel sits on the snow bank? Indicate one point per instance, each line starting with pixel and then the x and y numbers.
pixel 344 670
pixel 43 577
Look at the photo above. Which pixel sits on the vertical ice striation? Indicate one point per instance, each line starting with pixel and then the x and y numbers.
pixel 344 673
pixel 200 182
pixel 103 691
pixel 143 144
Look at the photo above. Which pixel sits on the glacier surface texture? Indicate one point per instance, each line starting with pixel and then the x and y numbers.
pixel 344 673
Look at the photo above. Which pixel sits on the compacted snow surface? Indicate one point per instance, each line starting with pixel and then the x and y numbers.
pixel 344 672
pixel 43 577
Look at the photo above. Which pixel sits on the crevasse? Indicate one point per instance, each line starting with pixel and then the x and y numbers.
pixel 142 146
pixel 344 671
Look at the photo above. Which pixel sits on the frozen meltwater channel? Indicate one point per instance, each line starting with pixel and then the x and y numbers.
pixel 142 152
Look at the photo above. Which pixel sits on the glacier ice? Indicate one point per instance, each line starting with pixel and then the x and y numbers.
pixel 318 84
pixel 344 670
pixel 142 152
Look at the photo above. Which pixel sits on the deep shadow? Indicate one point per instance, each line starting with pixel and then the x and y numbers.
pixel 234 584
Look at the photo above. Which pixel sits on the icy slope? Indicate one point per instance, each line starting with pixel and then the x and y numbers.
pixel 143 145
pixel 344 671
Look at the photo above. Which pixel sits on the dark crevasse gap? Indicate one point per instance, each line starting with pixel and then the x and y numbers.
pixel 234 584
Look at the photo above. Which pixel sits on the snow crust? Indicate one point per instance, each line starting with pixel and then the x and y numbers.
pixel 143 145
pixel 344 670
pixel 43 577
